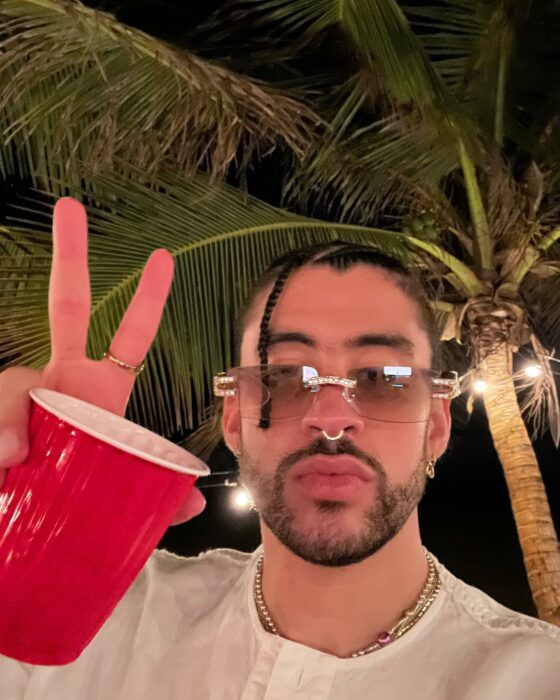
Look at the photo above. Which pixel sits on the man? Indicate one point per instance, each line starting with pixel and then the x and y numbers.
pixel 337 417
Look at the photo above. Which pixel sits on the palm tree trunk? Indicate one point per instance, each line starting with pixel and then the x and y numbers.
pixel 539 542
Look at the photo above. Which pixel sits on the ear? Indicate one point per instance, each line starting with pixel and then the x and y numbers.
pixel 439 428
pixel 231 424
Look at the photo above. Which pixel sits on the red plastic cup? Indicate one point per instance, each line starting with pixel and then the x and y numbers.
pixel 78 520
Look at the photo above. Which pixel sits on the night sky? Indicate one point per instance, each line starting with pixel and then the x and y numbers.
pixel 465 515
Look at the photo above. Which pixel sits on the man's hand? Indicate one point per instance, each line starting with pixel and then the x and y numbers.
pixel 69 371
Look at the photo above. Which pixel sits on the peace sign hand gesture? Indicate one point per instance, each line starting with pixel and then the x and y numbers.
pixel 100 382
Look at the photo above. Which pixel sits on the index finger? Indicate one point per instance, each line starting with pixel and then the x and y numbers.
pixel 69 288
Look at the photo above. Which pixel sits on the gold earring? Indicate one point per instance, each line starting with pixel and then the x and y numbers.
pixel 430 464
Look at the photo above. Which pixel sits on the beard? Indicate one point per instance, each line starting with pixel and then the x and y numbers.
pixel 326 543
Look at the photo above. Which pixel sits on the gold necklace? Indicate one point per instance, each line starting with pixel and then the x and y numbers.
pixel 409 617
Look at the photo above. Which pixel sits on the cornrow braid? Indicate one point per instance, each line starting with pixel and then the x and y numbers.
pixel 287 264
pixel 264 332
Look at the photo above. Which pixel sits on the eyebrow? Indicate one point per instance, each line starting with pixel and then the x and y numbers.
pixel 388 340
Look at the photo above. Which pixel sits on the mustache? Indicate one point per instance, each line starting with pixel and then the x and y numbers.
pixel 321 446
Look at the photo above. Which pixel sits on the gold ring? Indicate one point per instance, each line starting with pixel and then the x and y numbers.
pixel 136 369
pixel 336 437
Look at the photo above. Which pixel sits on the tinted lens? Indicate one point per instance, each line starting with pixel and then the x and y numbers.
pixel 396 394
pixel 278 387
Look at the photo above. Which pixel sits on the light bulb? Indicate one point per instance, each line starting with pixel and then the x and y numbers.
pixel 533 371
pixel 241 498
pixel 480 386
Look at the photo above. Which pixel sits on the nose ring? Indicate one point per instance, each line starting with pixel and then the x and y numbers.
pixel 336 437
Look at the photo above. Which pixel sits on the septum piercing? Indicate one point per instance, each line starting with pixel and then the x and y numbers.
pixel 336 437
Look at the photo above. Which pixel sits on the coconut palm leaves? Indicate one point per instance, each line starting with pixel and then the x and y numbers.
pixel 474 87
pixel 79 88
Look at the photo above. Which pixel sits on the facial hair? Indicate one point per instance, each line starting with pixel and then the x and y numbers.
pixel 327 545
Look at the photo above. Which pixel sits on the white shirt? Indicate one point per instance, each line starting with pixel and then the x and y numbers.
pixel 188 630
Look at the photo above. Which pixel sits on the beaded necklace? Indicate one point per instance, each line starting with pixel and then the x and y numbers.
pixel 409 617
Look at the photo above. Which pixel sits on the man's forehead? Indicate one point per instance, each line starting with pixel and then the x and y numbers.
pixel 360 288
pixel 338 309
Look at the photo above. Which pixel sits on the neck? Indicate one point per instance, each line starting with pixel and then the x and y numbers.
pixel 341 610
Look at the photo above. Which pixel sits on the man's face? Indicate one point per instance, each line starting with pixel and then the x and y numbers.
pixel 328 309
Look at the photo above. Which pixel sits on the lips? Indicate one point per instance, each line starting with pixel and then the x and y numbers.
pixel 336 465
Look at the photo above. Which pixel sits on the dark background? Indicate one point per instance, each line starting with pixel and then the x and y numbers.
pixel 466 518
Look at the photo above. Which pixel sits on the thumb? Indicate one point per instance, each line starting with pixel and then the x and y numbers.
pixel 193 506
pixel 15 405
pixel 13 446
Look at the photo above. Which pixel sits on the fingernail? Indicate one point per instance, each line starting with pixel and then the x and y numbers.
pixel 10 443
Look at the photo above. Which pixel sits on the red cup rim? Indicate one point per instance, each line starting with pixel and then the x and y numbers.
pixel 186 462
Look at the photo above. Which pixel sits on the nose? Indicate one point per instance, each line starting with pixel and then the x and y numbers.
pixel 330 412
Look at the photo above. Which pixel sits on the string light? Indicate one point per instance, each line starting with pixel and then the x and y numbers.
pixel 241 498
pixel 480 386
pixel 533 371
pixel 209 484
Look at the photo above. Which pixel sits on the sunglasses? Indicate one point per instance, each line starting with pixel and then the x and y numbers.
pixel 389 393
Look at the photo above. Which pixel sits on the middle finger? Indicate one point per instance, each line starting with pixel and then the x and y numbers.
pixel 140 323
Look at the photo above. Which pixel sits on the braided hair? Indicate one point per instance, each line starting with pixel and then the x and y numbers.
pixel 340 255
pixel 264 333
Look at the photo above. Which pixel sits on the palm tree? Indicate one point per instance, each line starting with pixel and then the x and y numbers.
pixel 420 121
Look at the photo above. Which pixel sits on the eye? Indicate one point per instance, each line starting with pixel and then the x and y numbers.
pixel 368 376
pixel 283 379
pixel 380 383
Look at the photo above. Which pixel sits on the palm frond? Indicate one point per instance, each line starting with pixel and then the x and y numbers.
pixel 220 239
pixel 450 33
pixel 540 293
pixel 207 436
pixel 380 132
pixel 470 45
pixel 380 33
pixel 539 402
pixel 19 261
pixel 77 86
pixel 375 167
